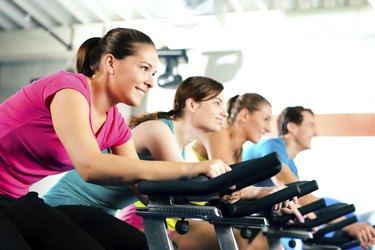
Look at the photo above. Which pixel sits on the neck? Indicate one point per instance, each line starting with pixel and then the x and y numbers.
pixel 99 101
pixel 237 139
pixel 185 133
pixel 292 147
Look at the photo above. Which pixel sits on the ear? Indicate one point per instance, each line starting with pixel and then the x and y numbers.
pixel 243 115
pixel 291 126
pixel 191 105
pixel 109 61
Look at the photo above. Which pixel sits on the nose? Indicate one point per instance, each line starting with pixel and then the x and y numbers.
pixel 268 127
pixel 150 82
pixel 316 132
pixel 224 113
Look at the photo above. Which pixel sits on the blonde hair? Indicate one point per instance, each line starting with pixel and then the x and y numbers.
pixel 235 104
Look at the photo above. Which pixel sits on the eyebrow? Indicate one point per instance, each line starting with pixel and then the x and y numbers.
pixel 150 65
pixel 218 98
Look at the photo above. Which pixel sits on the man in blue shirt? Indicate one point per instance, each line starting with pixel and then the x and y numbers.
pixel 297 127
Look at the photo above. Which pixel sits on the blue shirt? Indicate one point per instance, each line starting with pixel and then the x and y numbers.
pixel 72 190
pixel 265 147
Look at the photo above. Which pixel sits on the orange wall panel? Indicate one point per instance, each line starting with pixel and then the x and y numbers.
pixel 341 125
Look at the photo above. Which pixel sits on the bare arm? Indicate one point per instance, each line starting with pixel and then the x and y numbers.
pixel 69 110
pixel 156 137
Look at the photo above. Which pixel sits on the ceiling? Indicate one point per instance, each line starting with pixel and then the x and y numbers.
pixel 47 14
pixel 53 28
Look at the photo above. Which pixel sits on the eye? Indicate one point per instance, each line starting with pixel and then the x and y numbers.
pixel 218 103
pixel 145 68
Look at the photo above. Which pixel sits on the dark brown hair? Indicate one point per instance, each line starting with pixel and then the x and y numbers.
pixel 120 42
pixel 290 114
pixel 197 87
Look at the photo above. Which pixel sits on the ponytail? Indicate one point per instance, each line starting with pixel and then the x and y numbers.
pixel 135 120
pixel 84 54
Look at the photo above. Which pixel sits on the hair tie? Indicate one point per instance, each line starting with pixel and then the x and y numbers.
pixel 231 102
pixel 171 112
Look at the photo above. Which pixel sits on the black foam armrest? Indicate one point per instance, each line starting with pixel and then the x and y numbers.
pixel 306 186
pixel 283 219
pixel 266 202
pixel 311 207
pixel 324 218
pixel 330 208
pixel 335 226
pixel 244 173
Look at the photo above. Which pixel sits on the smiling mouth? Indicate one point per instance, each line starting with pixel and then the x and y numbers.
pixel 221 121
pixel 141 92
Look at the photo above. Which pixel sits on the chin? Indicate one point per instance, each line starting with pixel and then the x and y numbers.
pixel 219 127
pixel 137 101
pixel 212 129
pixel 136 104
pixel 133 103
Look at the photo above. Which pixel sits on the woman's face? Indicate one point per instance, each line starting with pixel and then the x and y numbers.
pixel 211 114
pixel 259 122
pixel 133 76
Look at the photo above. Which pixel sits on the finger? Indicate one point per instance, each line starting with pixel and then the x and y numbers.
pixel 366 235
pixel 295 199
pixel 226 167
pixel 285 204
pixel 236 193
pixel 226 197
pixel 276 207
pixel 366 246
pixel 299 216
pixel 361 239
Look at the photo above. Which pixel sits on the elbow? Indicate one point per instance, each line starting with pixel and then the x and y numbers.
pixel 87 166
pixel 86 172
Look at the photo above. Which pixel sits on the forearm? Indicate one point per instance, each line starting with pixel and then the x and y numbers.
pixel 285 176
pixel 117 170
pixel 307 199
pixel 253 192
